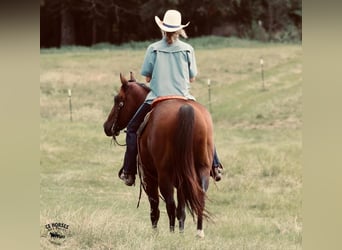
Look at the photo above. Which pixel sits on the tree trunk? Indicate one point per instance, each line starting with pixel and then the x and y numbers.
pixel 270 17
pixel 94 32
pixel 67 28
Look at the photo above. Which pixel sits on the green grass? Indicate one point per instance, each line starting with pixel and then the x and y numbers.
pixel 257 205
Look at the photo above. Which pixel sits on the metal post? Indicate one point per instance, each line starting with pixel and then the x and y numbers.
pixel 209 94
pixel 70 105
pixel 262 73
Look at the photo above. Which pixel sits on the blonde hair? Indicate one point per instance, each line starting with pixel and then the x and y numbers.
pixel 171 37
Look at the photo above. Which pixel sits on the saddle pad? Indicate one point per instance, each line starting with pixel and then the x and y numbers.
pixel 168 97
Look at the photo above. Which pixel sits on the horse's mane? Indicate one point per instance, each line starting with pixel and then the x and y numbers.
pixel 144 86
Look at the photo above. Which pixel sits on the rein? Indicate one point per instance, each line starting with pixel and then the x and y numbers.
pixel 117 143
pixel 113 129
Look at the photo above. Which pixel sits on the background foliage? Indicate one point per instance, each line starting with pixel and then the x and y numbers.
pixel 87 22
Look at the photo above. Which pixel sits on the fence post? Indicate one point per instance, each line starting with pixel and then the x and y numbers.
pixel 262 72
pixel 70 105
pixel 209 95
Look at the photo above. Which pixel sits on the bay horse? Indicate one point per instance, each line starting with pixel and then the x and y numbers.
pixel 175 151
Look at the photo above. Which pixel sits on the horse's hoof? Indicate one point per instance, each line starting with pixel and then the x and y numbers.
pixel 200 234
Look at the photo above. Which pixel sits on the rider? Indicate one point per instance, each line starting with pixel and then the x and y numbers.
pixel 169 66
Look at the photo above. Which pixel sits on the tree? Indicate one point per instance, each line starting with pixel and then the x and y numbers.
pixel 86 22
pixel 62 9
pixel 67 26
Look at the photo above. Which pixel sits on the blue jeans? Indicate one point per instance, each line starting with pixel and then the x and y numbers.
pixel 130 160
pixel 216 161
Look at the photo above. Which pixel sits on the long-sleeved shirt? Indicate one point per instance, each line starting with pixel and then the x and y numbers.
pixel 170 67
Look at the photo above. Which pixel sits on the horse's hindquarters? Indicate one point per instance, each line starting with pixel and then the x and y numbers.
pixel 176 150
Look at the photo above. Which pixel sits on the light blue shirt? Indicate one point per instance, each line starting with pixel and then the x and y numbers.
pixel 170 68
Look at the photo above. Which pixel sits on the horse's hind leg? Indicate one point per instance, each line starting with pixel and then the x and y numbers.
pixel 204 176
pixel 181 211
pixel 200 232
pixel 153 198
pixel 154 214
pixel 166 190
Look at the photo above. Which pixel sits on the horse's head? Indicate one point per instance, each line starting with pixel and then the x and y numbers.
pixel 126 103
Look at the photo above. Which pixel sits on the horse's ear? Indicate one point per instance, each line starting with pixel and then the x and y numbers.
pixel 123 79
pixel 132 77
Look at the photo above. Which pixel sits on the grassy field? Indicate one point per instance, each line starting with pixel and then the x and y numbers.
pixel 257 205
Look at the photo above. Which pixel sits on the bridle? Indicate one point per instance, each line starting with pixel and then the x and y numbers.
pixel 114 126
pixel 117 112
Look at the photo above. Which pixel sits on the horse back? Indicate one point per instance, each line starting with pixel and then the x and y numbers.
pixel 157 143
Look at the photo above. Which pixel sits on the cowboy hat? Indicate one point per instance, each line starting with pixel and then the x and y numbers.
pixel 171 21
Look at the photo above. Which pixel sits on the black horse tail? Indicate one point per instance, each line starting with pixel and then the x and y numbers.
pixel 186 176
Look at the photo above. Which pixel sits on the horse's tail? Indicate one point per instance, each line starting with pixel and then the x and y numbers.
pixel 186 177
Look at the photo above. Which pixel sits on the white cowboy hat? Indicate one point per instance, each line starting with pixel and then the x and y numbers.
pixel 171 21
